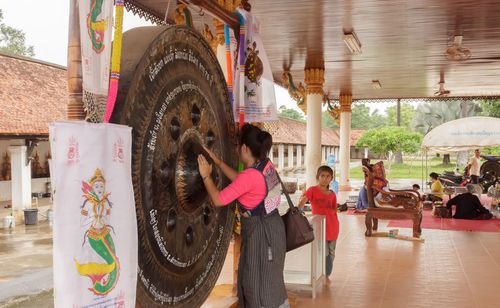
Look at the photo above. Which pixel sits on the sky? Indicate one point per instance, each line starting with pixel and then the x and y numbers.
pixel 45 24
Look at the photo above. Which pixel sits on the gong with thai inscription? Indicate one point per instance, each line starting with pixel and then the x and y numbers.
pixel 174 96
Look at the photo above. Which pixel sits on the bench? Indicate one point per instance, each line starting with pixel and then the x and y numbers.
pixel 391 204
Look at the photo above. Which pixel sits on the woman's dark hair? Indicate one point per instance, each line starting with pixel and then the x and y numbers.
pixel 258 141
pixel 324 168
pixel 434 175
pixel 416 186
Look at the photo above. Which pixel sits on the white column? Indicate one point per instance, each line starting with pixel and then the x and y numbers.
pixel 323 154
pixel 345 133
pixel 299 155
pixel 271 156
pixel 313 137
pixel 281 156
pixel 314 79
pixel 290 156
pixel 21 178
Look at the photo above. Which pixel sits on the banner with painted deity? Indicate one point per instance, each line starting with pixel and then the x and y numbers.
pixel 96 21
pixel 95 227
pixel 253 79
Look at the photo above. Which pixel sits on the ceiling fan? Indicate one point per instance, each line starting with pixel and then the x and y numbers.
pixel 442 91
pixel 457 52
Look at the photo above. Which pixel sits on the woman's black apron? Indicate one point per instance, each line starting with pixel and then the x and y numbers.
pixel 263 248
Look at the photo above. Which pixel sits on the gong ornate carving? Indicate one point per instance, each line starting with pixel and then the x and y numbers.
pixel 174 96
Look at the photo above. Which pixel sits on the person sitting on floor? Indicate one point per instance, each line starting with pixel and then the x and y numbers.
pixel 416 188
pixel 468 206
pixel 437 190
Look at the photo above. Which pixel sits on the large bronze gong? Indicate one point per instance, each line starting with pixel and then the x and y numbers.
pixel 174 96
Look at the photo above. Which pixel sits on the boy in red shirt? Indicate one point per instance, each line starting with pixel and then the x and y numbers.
pixel 324 202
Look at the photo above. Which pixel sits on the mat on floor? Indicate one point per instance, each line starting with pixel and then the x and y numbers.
pixel 431 222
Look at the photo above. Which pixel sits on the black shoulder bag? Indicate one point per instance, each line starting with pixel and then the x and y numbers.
pixel 298 230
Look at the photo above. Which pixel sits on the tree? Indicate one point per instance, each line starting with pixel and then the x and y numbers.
pixel 390 139
pixel 290 113
pixel 431 114
pixel 491 108
pixel 361 118
pixel 13 40
pixel 377 120
pixel 490 151
pixel 407 115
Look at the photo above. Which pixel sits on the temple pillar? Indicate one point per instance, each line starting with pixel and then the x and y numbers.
pixel 290 156
pixel 75 90
pixel 299 155
pixel 323 154
pixel 21 179
pixel 345 133
pixel 314 79
pixel 281 156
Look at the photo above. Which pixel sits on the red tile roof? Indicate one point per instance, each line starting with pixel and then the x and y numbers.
pixel 293 131
pixel 32 94
pixel 355 135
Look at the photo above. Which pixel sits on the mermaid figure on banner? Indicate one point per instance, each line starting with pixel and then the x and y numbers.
pixel 98 249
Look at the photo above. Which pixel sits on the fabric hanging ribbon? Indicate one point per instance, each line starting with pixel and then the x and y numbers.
pixel 229 66
pixel 115 61
pixel 241 77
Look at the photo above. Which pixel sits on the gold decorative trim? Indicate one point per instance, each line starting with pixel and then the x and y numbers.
pixel 298 93
pixel 219 31
pixel 345 102
pixel 230 5
pixel 333 108
pixel 314 79
pixel 209 37
pixel 180 15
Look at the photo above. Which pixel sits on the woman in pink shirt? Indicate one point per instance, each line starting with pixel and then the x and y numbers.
pixel 257 191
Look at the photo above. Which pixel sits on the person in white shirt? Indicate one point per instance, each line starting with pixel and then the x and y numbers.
pixel 474 164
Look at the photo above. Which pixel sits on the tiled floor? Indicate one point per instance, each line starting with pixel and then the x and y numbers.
pixel 450 269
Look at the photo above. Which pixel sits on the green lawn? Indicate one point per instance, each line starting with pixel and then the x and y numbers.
pixel 410 169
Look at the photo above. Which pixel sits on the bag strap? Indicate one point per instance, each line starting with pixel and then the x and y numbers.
pixel 290 203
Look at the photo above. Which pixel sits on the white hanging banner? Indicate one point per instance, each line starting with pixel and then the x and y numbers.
pixel 254 83
pixel 96 21
pixel 95 226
